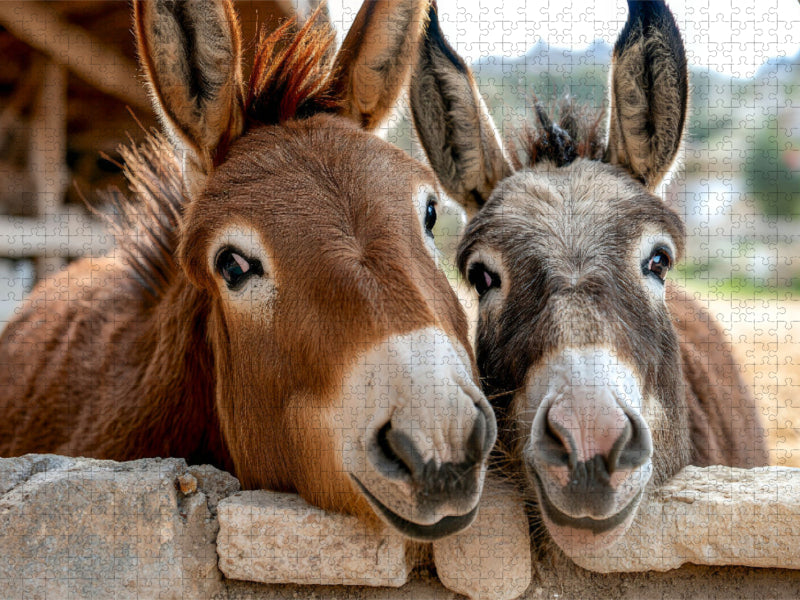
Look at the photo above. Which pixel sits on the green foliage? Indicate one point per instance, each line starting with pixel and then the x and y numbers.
pixel 773 169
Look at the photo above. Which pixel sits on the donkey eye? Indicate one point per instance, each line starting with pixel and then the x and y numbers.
pixel 235 268
pixel 482 279
pixel 430 216
pixel 659 263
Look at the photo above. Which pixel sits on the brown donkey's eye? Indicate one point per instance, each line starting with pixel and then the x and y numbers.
pixel 235 268
pixel 430 216
pixel 659 263
pixel 482 279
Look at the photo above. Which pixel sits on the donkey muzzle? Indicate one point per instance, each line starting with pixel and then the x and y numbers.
pixel 590 450
pixel 421 459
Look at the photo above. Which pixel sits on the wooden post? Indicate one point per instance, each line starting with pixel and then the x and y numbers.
pixel 48 153
pixel 108 70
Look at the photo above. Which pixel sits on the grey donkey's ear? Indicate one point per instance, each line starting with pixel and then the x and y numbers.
pixel 453 124
pixel 190 51
pixel 649 93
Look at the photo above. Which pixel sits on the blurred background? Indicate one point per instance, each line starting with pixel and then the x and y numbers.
pixel 70 94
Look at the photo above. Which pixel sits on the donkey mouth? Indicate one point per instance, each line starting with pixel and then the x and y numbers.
pixel 424 533
pixel 588 524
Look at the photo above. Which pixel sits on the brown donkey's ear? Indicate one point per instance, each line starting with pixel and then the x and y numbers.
pixel 453 124
pixel 375 58
pixel 190 52
pixel 649 86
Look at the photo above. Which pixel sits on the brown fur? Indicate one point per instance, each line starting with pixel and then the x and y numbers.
pixel 725 426
pixel 197 39
pixel 330 253
pixel 136 354
pixel 561 237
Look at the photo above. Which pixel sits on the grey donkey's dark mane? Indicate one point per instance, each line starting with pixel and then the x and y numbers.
pixel 570 131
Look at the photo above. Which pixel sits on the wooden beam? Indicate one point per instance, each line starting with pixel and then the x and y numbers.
pixel 48 152
pixel 61 235
pixel 91 60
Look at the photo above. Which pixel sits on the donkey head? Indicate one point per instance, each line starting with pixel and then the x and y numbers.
pixel 569 252
pixel 340 352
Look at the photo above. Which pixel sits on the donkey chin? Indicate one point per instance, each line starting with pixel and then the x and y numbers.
pixel 589 453
pixel 419 451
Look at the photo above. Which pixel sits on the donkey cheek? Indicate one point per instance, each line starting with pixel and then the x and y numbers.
pixel 319 460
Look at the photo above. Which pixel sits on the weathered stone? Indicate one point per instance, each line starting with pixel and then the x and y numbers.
pixel 17 470
pixel 712 516
pixel 279 538
pixel 215 484
pixel 492 558
pixel 87 528
pixel 187 483
pixel 84 528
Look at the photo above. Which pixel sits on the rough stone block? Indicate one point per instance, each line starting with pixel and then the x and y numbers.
pixel 279 538
pixel 712 516
pixel 492 559
pixel 80 528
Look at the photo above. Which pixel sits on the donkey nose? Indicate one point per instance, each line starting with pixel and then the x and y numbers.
pixel 594 439
pixel 398 456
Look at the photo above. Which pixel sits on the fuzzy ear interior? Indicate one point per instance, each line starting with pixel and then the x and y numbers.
pixel 649 93
pixel 190 52
pixel 452 122
pixel 376 57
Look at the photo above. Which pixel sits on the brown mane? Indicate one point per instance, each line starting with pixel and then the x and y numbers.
pixel 146 223
pixel 570 131
pixel 292 73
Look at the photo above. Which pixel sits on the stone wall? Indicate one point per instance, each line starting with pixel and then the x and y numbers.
pixel 83 528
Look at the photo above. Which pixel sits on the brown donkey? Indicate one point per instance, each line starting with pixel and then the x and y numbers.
pixel 605 377
pixel 275 306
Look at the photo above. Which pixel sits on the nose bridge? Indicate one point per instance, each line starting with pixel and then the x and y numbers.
pixel 595 377
pixel 579 322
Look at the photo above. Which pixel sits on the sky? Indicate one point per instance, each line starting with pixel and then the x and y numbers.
pixel 730 36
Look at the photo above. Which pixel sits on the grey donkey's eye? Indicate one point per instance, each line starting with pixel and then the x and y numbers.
pixel 659 263
pixel 235 268
pixel 482 279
